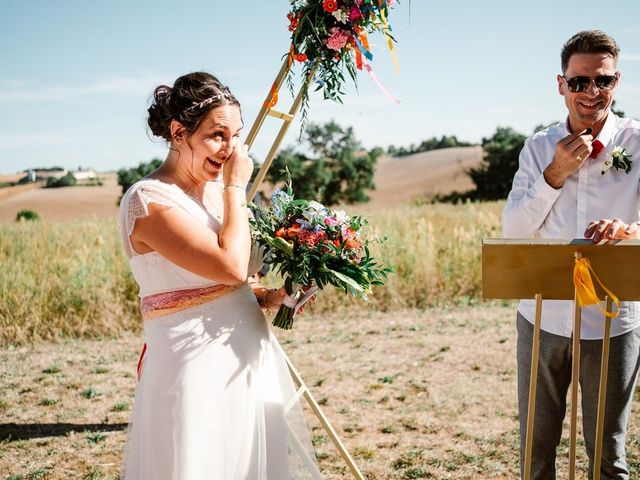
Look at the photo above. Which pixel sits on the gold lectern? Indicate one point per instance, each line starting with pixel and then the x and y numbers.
pixel 528 268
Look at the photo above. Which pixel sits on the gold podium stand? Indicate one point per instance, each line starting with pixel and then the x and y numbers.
pixel 527 268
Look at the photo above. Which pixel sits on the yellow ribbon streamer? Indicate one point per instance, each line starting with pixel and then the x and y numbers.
pixel 387 29
pixel 586 291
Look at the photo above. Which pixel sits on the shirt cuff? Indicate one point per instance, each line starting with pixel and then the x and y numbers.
pixel 542 189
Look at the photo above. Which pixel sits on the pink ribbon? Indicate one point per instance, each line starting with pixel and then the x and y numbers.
pixel 373 76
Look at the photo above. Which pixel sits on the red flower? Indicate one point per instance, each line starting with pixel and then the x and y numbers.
pixel 352 244
pixel 293 230
pixel 281 232
pixel 293 25
pixel 330 6
pixel 301 57
pixel 290 16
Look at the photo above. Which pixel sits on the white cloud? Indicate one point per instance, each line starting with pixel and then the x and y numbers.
pixel 20 92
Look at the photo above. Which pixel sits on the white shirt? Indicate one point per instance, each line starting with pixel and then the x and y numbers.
pixel 535 209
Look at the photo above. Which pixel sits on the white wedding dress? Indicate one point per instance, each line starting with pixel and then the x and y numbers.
pixel 215 400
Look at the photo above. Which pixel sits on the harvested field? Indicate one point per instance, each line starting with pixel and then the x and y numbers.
pixel 399 180
pixel 67 203
pixel 413 394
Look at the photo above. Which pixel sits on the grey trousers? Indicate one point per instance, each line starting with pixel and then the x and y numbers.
pixel 554 378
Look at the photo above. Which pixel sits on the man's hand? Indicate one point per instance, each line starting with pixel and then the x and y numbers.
pixel 571 152
pixel 614 229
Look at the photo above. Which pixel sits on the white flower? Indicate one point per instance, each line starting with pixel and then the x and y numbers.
pixel 315 210
pixel 619 159
pixel 617 151
pixel 340 15
pixel 341 216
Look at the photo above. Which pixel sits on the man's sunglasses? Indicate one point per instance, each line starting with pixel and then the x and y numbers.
pixel 580 83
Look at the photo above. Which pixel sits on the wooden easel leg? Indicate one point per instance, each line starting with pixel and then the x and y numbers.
pixel 325 422
pixel 602 394
pixel 533 384
pixel 575 382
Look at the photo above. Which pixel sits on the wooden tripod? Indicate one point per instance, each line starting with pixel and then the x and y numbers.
pixel 268 110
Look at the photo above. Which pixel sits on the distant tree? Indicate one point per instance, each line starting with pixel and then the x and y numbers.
pixel 494 176
pixel 433 143
pixel 337 170
pixel 45 169
pixel 27 216
pixel 616 110
pixel 67 180
pixel 129 176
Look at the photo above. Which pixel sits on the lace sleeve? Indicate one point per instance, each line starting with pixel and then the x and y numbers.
pixel 135 205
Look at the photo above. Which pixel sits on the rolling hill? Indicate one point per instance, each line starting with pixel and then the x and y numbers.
pixel 398 181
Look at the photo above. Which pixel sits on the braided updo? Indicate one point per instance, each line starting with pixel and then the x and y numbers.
pixel 192 97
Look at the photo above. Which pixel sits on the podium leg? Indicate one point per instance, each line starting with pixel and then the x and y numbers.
pixel 575 382
pixel 533 384
pixel 602 394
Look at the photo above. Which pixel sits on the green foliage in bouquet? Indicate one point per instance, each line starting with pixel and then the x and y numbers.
pixel 311 245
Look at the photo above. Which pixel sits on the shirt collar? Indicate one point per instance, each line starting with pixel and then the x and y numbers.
pixel 607 132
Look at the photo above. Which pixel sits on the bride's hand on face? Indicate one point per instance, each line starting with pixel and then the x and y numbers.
pixel 238 167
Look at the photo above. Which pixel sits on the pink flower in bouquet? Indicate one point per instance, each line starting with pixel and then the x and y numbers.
pixel 355 14
pixel 330 222
pixel 337 39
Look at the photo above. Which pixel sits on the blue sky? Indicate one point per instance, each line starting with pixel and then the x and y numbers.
pixel 76 76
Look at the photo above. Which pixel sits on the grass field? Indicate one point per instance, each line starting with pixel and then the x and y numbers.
pixel 413 394
pixel 419 384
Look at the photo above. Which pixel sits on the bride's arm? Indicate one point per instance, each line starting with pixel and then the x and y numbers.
pixel 177 236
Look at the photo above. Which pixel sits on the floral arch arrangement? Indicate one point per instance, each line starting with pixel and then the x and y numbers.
pixel 330 37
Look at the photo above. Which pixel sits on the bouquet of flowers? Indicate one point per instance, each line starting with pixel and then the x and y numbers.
pixel 313 246
pixel 330 36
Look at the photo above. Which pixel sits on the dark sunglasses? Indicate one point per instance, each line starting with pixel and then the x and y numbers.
pixel 580 83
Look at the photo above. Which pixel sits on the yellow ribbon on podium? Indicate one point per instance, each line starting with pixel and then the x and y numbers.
pixel 586 291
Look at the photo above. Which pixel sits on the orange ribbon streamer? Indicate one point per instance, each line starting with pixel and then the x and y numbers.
pixel 358 58
pixel 586 291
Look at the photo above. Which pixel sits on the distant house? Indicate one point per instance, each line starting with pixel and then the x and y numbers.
pixel 84 174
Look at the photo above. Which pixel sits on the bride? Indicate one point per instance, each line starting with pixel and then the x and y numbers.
pixel 215 399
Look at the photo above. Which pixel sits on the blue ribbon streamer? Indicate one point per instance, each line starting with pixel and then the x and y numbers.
pixel 363 50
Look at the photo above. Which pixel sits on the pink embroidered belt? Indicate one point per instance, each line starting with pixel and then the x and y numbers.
pixel 153 306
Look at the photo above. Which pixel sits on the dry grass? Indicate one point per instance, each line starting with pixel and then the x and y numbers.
pixel 64 280
pixel 71 279
pixel 413 394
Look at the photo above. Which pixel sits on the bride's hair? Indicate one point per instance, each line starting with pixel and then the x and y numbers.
pixel 192 97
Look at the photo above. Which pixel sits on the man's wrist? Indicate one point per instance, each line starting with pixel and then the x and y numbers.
pixel 552 179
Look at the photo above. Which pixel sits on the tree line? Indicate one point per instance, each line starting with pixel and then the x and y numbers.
pixel 331 166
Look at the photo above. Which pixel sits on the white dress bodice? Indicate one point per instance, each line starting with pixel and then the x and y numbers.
pixel 154 273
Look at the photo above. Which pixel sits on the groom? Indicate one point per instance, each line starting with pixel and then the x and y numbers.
pixel 565 188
